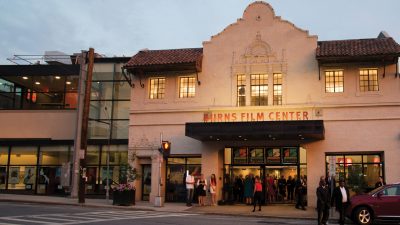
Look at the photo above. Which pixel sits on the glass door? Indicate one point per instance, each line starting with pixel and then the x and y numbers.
pixel 146 182
pixel 279 183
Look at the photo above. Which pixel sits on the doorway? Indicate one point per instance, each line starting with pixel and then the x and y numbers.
pixel 146 182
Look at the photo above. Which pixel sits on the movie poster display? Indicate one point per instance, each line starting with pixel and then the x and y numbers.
pixel 240 155
pixel 290 155
pixel 256 155
pixel 274 155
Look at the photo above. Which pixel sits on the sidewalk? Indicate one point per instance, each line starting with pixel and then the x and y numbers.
pixel 278 211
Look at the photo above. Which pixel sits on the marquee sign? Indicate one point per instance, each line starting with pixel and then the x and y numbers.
pixel 254 116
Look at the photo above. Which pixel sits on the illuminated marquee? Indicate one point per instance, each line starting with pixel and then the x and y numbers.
pixel 211 117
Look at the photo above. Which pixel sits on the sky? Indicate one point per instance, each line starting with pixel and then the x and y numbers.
pixel 123 27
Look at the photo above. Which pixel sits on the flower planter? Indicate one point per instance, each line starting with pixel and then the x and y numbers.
pixel 126 197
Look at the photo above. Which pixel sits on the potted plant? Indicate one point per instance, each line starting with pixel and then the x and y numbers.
pixel 123 194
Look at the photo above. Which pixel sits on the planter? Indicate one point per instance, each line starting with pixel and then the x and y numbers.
pixel 125 198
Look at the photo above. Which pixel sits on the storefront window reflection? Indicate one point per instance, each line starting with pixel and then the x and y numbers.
pixel 177 168
pixel 361 171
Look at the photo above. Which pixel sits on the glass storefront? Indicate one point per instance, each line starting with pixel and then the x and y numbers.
pixel 39 92
pixel 47 169
pixel 273 165
pixel 360 171
pixel 177 169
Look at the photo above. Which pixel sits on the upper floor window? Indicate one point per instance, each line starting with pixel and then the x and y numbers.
pixel 277 89
pixel 157 88
pixel 369 80
pixel 241 90
pixel 334 81
pixel 187 87
pixel 259 89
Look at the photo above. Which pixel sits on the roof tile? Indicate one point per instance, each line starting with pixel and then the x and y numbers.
pixel 358 47
pixel 162 57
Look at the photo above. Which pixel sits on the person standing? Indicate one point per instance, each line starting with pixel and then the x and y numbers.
pixel 290 188
pixel 282 188
pixel 300 191
pixel 380 183
pixel 201 190
pixel 189 188
pixel 323 202
pixel 257 193
pixel 248 188
pixel 213 189
pixel 341 198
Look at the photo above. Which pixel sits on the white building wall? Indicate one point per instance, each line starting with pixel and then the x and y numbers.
pixel 354 121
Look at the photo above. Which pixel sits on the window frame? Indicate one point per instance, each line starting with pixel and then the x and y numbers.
pixel 336 80
pixel 160 88
pixel 256 98
pixel 241 85
pixel 277 95
pixel 370 87
pixel 184 92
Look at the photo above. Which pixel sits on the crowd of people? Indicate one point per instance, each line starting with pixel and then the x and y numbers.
pixel 252 190
pixel 276 190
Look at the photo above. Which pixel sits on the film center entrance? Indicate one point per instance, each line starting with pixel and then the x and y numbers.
pixel 277 168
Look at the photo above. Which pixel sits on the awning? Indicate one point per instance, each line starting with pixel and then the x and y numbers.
pixel 301 131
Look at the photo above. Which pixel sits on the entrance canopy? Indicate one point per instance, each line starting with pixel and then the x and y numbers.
pixel 299 130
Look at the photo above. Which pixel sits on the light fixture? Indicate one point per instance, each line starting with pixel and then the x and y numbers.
pixel 68 82
pixel 25 78
pixel 57 77
pixel 37 82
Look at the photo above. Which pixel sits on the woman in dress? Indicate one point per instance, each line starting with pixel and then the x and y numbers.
pixel 201 189
pixel 248 188
pixel 257 193
pixel 213 189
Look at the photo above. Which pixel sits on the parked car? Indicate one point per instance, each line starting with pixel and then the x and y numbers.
pixel 382 203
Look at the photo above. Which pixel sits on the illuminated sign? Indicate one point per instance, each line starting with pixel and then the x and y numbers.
pixel 215 117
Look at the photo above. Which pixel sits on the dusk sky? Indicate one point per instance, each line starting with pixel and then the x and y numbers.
pixel 123 27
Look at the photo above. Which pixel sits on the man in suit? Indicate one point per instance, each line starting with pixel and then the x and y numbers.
pixel 341 197
pixel 323 202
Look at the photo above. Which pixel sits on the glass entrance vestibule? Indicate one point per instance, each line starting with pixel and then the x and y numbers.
pixel 277 168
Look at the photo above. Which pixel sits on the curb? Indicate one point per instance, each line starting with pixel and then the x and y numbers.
pixel 136 208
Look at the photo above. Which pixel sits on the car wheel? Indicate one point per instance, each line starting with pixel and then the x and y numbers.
pixel 363 216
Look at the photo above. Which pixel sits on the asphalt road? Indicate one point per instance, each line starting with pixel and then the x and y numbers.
pixel 12 213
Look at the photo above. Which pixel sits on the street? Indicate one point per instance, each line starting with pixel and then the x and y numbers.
pixel 13 213
pixel 28 213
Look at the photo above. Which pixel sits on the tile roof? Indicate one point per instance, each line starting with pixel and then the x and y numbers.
pixel 358 47
pixel 163 57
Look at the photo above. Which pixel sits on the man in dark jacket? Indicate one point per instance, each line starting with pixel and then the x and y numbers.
pixel 323 202
pixel 341 197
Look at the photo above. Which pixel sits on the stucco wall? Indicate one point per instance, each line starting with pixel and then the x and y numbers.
pixel 57 124
pixel 354 121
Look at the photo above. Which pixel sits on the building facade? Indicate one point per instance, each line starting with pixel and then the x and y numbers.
pixel 38 113
pixel 265 97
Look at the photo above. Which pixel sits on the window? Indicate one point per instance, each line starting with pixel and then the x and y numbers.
pixel 334 81
pixel 277 89
pixel 187 87
pixel 369 80
pixel 241 90
pixel 157 88
pixel 259 89
pixel 360 171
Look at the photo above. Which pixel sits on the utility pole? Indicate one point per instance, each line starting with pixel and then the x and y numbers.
pixel 80 147
pixel 79 113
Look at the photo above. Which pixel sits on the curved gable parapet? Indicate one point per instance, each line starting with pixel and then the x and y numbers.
pixel 257 10
pixel 261 12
